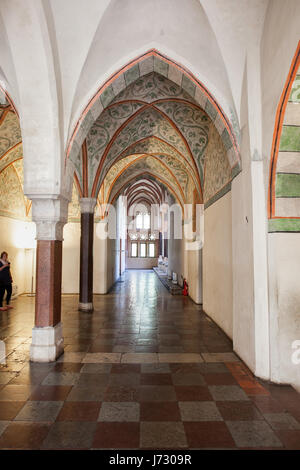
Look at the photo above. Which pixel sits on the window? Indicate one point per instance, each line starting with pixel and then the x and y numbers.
pixel 142 221
pixel 147 221
pixel 151 250
pixel 134 250
pixel 143 250
pixel 139 221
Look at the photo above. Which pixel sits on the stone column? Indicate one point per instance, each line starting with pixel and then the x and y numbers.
pixel 170 245
pixel 50 215
pixel 160 244
pixel 87 206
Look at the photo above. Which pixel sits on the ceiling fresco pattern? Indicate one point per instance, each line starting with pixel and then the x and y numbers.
pixel 158 122
pixel 153 131
pixel 13 203
pixel 10 132
pixel 217 168
pixel 10 137
pixel 145 190
pixel 113 174
pixel 139 169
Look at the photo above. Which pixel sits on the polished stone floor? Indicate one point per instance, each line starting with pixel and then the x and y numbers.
pixel 146 370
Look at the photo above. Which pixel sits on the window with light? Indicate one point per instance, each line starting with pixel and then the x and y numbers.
pixel 151 252
pixel 142 250
pixel 134 252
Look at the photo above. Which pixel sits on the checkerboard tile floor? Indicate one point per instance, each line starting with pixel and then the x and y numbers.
pixel 200 398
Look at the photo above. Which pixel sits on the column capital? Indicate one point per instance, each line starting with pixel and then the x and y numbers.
pixel 50 216
pixel 87 205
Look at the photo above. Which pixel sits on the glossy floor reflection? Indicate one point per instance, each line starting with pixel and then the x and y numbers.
pixel 145 370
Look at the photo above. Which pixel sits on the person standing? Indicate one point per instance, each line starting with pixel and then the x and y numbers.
pixel 5 281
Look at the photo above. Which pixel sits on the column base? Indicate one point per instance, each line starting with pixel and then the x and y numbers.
pixel 2 353
pixel 86 307
pixel 47 343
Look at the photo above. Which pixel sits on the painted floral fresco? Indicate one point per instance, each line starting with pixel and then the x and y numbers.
pixel 153 127
pixel 155 117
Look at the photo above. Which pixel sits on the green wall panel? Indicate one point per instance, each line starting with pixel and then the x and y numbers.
pixel 287 185
pixel 290 139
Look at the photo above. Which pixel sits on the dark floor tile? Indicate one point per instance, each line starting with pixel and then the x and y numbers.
pixel 39 411
pixel 253 434
pixel 219 379
pixel 119 393
pixel 24 436
pixel 163 435
pixel 119 412
pixel 61 378
pixel 159 368
pixel 186 368
pixel 188 378
pixel 288 397
pixel 125 369
pixel 130 380
pixel 203 435
pixel 15 392
pixel 282 421
pixel 105 348
pixel 156 393
pixel 290 439
pixel 227 393
pixel 156 379
pixel 10 409
pixel 213 368
pixel 192 393
pixel 92 380
pixel 89 393
pixel 199 411
pixel 146 349
pixel 238 411
pixel 79 411
pixel 67 367
pixel 160 411
pixel 117 436
pixel 171 349
pixel 101 368
pixel 267 404
pixel 70 435
pixel 50 393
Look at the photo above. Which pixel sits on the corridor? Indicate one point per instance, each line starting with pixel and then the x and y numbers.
pixel 144 370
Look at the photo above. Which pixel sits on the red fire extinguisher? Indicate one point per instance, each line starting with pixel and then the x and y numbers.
pixel 185 288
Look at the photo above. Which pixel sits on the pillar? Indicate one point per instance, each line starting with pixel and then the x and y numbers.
pixel 87 206
pixel 50 215
pixel 160 244
pixel 170 244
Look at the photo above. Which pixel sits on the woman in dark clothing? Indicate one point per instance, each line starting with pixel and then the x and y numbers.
pixel 5 281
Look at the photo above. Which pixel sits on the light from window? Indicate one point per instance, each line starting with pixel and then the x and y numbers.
pixel 134 249
pixel 151 250
pixel 143 250
pixel 147 221
pixel 139 221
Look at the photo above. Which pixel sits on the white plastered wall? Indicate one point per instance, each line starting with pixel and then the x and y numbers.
pixel 11 241
pixel 284 264
pixel 217 263
pixel 283 248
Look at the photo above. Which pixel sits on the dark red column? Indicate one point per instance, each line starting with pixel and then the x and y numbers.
pixel 87 206
pixel 50 216
pixel 48 283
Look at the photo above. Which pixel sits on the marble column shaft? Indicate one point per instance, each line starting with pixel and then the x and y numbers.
pixel 87 206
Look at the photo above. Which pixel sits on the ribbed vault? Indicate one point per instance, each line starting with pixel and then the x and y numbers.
pixel 153 126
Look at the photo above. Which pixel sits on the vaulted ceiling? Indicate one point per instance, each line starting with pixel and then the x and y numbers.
pixel 10 134
pixel 152 129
